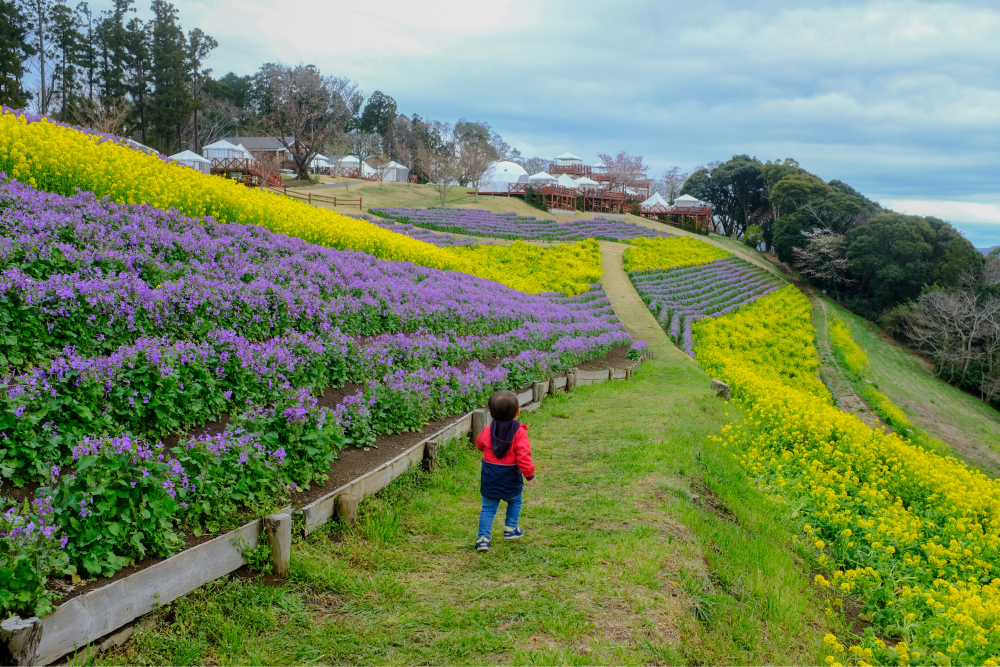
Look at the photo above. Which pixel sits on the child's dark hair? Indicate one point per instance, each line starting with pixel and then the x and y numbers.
pixel 504 406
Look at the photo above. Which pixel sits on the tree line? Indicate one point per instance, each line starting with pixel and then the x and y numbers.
pixel 917 276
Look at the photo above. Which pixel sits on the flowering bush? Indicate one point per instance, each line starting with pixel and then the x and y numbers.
pixel 58 158
pixel 916 536
pixel 669 253
pixel 31 549
pixel 636 350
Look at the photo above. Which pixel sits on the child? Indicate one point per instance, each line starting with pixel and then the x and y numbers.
pixel 506 455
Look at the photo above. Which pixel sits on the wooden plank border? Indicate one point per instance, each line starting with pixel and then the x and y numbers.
pixel 102 612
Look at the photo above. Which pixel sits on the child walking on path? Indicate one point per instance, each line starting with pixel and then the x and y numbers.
pixel 506 455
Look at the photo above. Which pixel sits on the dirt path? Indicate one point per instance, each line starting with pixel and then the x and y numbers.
pixel 629 306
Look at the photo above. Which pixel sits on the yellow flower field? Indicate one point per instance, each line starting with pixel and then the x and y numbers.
pixel 667 253
pixel 848 352
pixel 915 535
pixel 60 159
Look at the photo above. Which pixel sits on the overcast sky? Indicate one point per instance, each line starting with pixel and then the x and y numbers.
pixel 899 99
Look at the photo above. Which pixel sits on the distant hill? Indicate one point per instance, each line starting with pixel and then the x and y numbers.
pixel 986 251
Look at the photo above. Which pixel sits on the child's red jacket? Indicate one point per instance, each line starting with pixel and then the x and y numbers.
pixel 501 478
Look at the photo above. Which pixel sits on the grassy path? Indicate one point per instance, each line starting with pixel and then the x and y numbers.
pixel 645 544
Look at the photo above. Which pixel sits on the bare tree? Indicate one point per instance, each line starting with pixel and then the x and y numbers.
pixel 381 169
pixel 624 170
pixel 824 257
pixel 671 182
pixel 533 165
pixel 268 164
pixel 440 166
pixel 363 145
pixel 306 109
pixel 216 122
pixel 107 117
pixel 476 162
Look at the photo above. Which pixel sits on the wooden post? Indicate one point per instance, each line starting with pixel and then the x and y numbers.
pixel 278 528
pixel 571 380
pixel 347 509
pixel 538 391
pixel 430 455
pixel 19 638
pixel 310 198
pixel 480 420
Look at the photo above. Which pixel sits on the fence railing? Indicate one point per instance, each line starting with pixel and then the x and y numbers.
pixel 313 198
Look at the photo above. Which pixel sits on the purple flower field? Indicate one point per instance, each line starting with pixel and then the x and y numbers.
pixel 682 296
pixel 419 233
pixel 124 325
pixel 477 222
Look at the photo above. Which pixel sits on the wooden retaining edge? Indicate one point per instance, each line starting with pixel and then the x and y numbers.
pixel 322 509
pixel 101 612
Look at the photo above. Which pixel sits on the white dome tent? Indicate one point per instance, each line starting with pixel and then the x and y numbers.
pixel 193 160
pixel 655 200
pixel 504 174
pixel 319 161
pixel 584 182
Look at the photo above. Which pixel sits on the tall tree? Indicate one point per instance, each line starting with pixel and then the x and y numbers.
pixel 735 189
pixel 306 109
pixel 138 71
pixel 378 116
pixel 66 44
pixel 171 102
pixel 200 46
pixel 112 45
pixel 40 27
pixel 14 52
pixel 87 56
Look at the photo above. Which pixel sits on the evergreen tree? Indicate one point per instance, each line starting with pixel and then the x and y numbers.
pixel 66 43
pixel 171 102
pixel 14 50
pixel 138 71
pixel 113 56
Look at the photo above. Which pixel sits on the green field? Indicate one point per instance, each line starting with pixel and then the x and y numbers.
pixel 645 544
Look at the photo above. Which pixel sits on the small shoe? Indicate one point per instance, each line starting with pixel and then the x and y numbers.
pixel 483 544
pixel 512 533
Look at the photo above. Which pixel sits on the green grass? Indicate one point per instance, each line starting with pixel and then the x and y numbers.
pixel 645 544
pixel 971 427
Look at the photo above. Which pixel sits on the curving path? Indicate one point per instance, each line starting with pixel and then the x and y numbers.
pixel 629 306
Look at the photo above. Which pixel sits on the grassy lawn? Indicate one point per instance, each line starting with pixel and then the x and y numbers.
pixel 645 544
pixel 970 426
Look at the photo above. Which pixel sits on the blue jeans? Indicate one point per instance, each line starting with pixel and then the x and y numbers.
pixel 489 512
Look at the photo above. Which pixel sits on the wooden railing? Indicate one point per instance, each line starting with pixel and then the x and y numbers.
pixel 571 169
pixel 311 198
pixel 692 211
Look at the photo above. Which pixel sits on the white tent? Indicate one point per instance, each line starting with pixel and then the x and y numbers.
pixel 566 181
pixel 396 173
pixel 193 160
pixel 685 201
pixel 319 161
pixel 585 182
pixel 599 168
pixel 542 178
pixel 569 157
pixel 222 149
pixel 655 200
pixel 504 174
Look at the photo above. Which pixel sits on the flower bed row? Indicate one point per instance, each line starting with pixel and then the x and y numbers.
pixel 57 158
pixel 668 253
pixel 681 297
pixel 478 222
pixel 914 535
